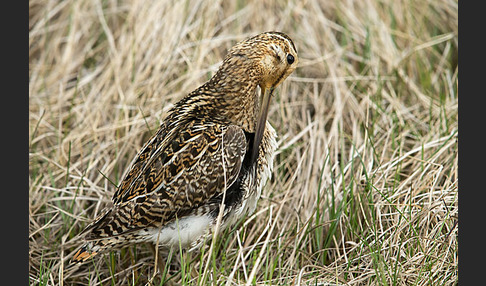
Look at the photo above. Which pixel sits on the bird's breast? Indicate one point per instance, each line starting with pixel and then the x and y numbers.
pixel 253 178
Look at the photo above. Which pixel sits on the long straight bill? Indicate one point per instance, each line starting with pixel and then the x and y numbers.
pixel 261 122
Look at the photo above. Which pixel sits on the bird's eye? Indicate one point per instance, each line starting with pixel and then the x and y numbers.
pixel 290 59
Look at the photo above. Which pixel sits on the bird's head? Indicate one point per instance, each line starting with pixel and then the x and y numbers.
pixel 268 57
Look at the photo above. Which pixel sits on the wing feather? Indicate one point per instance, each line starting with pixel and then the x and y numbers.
pixel 170 179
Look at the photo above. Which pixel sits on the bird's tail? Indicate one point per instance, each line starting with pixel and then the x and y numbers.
pixel 84 253
pixel 107 231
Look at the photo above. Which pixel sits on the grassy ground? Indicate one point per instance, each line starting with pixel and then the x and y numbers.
pixel 365 185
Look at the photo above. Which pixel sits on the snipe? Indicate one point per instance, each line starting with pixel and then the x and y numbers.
pixel 214 147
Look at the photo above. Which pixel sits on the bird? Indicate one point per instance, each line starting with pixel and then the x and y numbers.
pixel 211 157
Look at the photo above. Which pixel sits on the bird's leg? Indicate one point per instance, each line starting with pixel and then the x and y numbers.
pixel 162 266
pixel 188 258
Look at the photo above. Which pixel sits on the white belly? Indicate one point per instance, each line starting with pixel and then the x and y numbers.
pixel 181 232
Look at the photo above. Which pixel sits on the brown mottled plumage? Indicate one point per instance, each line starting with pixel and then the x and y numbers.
pixel 214 144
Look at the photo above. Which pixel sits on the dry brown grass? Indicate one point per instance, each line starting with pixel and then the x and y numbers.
pixel 365 186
